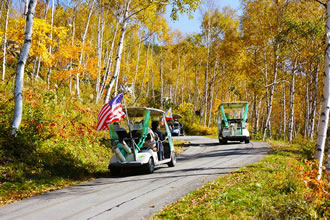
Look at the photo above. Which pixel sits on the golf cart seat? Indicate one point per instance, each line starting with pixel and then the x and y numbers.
pixel 122 133
pixel 137 129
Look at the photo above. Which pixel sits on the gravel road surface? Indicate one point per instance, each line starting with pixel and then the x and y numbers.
pixel 140 196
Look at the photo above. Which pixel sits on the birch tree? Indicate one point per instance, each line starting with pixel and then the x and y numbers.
pixel 8 4
pixel 18 92
pixel 324 118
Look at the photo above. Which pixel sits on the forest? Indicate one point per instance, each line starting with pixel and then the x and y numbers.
pixel 83 53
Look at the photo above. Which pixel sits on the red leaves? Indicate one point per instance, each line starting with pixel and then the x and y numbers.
pixel 318 188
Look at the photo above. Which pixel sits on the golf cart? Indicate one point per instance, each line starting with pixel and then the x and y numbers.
pixel 176 127
pixel 140 147
pixel 232 124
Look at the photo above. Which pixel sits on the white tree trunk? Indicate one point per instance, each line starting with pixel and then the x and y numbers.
pixel 119 53
pixel 51 39
pixel 82 49
pixel 5 42
pixel 327 163
pixel 271 93
pixel 137 61
pixel 161 80
pixel 324 118
pixel 144 73
pixel 291 118
pixel 207 71
pixel 99 53
pixel 284 113
pixel 20 68
pixel 109 63
pixel 314 104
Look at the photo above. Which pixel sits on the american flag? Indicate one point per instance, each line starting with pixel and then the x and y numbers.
pixel 169 114
pixel 110 112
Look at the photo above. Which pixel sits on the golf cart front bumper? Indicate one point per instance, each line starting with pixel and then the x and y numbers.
pixel 127 164
pixel 236 138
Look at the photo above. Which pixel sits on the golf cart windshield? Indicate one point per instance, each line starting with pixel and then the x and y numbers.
pixel 233 112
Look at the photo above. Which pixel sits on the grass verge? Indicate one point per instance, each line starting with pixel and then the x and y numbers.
pixel 280 186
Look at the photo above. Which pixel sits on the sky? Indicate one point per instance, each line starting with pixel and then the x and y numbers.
pixel 187 26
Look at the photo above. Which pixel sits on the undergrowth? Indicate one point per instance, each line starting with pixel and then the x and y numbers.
pixel 57 144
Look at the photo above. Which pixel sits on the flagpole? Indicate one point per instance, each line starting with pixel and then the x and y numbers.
pixel 129 128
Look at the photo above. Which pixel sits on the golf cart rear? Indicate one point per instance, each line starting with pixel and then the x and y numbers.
pixel 232 122
pixel 176 127
pixel 138 146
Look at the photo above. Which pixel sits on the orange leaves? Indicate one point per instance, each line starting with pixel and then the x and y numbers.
pixel 319 189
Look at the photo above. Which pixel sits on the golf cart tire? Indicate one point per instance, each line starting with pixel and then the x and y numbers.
pixel 247 140
pixel 114 171
pixel 150 166
pixel 173 160
pixel 223 141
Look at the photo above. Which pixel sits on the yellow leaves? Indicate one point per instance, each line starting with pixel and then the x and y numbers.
pixel 41 41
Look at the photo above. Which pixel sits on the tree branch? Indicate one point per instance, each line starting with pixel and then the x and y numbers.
pixel 324 4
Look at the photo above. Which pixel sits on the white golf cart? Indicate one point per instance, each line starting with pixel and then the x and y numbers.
pixel 176 127
pixel 138 146
pixel 232 124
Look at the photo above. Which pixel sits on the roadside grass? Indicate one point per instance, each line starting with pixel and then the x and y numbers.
pixel 180 146
pixel 282 185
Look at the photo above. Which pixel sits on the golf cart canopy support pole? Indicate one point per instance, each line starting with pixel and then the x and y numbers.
pixel 246 107
pixel 224 116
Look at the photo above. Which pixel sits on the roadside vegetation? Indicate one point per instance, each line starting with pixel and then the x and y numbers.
pixel 281 185
pixel 57 145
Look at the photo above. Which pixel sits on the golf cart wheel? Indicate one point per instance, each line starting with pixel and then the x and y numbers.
pixel 223 141
pixel 150 166
pixel 173 160
pixel 114 171
pixel 247 140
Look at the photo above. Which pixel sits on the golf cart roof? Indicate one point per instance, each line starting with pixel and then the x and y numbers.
pixel 176 116
pixel 139 111
pixel 233 105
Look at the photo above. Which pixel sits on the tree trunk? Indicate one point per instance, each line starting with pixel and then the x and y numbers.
pixel 206 74
pixel 119 52
pixel 152 76
pixel 20 68
pixel 328 160
pixel 324 118
pixel 82 48
pixel 284 112
pixel 212 92
pixel 177 79
pixel 51 39
pixel 137 61
pixel 109 63
pixel 291 119
pixel 5 42
pixel 307 109
pixel 314 103
pixel 99 53
pixel 161 81
pixel 144 73
pixel 271 93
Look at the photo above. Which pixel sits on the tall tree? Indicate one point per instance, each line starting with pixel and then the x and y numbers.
pixel 18 92
pixel 324 118
pixel 8 4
